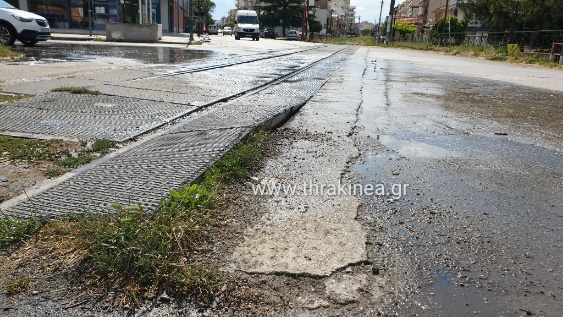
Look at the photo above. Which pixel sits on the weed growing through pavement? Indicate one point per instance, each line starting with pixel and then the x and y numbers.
pixel 134 250
pixel 75 162
pixel 29 149
pixel 76 90
pixel 236 165
pixel 11 97
pixel 102 146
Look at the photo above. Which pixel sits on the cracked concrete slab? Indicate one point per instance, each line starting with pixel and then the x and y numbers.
pixel 311 231
pixel 347 288
pixel 303 247
pixel 312 302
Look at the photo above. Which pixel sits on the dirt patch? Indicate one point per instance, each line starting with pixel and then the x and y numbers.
pixel 26 165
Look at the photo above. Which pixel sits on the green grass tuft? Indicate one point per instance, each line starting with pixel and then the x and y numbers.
pixel 14 230
pixel 74 162
pixel 27 149
pixel 6 52
pixel 11 97
pixel 102 146
pixel 138 249
pixel 243 159
pixel 76 90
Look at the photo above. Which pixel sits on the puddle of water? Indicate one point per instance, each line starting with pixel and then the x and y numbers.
pixel 453 300
pixel 409 148
pixel 81 52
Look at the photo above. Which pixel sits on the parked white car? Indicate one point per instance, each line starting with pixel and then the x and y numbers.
pixel 27 27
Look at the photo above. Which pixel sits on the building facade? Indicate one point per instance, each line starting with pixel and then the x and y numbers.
pixel 78 14
pixel 425 13
pixel 336 16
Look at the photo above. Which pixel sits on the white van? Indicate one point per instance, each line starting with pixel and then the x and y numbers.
pixel 246 25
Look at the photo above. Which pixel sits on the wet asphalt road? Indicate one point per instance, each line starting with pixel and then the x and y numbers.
pixel 479 229
pixel 480 145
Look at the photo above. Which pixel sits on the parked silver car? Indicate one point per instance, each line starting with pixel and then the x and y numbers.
pixel 293 35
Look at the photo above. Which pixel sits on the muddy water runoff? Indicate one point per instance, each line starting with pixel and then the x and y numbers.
pixel 478 232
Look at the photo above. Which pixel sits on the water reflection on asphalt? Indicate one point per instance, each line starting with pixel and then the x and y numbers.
pixel 60 53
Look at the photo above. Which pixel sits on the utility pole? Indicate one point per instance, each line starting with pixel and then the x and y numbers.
pixel 191 19
pixel 443 31
pixel 390 22
pixel 379 24
pixel 445 15
pixel 305 22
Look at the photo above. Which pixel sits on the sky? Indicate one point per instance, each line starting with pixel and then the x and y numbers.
pixel 368 10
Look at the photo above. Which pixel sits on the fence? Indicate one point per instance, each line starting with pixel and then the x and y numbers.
pixel 529 41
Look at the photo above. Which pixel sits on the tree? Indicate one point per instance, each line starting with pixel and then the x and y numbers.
pixel 206 6
pixel 290 12
pixel 314 24
pixel 449 25
pixel 532 15
pixel 404 28
pixel 452 27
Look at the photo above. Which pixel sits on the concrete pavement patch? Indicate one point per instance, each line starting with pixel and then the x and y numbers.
pixel 302 247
